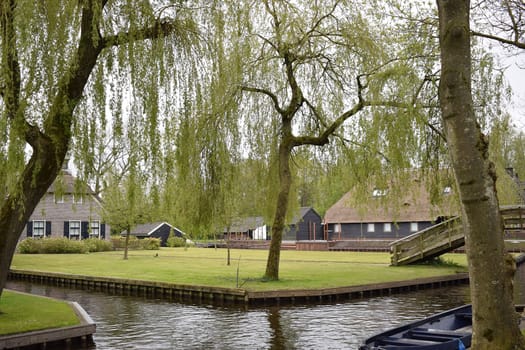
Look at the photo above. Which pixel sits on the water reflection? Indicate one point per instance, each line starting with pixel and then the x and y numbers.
pixel 125 322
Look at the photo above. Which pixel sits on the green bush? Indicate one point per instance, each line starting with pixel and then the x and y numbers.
pixel 174 241
pixel 29 246
pixel 62 245
pixel 151 243
pixel 136 243
pixel 98 245
pixel 52 246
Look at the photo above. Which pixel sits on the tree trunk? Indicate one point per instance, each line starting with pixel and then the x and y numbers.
pixel 18 207
pixel 495 323
pixel 285 183
pixel 126 243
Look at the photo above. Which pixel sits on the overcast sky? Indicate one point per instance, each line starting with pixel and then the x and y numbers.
pixel 515 74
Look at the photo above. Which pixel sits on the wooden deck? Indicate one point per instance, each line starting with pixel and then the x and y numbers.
pixel 447 236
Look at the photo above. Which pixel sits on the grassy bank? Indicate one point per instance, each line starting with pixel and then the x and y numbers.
pixel 207 267
pixel 21 313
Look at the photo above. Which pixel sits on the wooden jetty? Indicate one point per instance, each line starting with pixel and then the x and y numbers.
pixel 448 236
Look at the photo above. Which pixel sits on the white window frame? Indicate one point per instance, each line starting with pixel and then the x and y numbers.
pixel 77 233
pixel 59 200
pixel 414 227
pixel 78 199
pixel 387 227
pixel 370 227
pixel 40 229
pixel 94 226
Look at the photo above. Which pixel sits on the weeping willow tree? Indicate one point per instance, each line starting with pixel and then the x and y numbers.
pixel 63 75
pixel 316 71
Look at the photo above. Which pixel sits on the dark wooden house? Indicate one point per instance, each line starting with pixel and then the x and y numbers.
pixel 306 225
pixel 160 230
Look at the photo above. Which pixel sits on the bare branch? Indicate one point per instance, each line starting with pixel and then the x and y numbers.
pixel 159 29
pixel 517 44
pixel 267 93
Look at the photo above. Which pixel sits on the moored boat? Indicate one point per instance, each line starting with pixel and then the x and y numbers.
pixel 449 330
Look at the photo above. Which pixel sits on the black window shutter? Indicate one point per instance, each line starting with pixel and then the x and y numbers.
pixel 30 229
pixel 66 228
pixel 103 231
pixel 84 229
pixel 48 228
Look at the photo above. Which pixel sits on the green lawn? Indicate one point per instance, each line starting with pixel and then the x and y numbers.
pixel 21 313
pixel 207 267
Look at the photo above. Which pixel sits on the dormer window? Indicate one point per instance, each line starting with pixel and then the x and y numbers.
pixel 377 192
pixel 77 198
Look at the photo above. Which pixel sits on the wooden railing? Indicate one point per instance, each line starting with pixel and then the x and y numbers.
pixel 513 217
pixel 446 236
pixel 428 243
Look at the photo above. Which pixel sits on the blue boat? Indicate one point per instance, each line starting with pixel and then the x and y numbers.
pixel 449 330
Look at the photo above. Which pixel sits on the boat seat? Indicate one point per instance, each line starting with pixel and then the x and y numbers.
pixel 436 334
pixel 405 341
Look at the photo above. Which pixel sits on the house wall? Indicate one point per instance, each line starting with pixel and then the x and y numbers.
pixel 309 228
pixel 360 230
pixel 163 232
pixel 58 217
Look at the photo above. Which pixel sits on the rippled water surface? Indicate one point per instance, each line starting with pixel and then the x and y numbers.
pixel 135 323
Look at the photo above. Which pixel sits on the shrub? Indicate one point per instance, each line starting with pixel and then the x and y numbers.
pixel 62 245
pixel 151 243
pixel 174 241
pixel 29 246
pixel 97 245
pixel 51 246
pixel 135 243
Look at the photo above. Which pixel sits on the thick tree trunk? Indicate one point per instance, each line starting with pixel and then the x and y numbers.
pixel 285 183
pixel 495 321
pixel 39 174
pixel 49 146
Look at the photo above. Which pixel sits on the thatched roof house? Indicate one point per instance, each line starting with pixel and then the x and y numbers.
pixel 387 214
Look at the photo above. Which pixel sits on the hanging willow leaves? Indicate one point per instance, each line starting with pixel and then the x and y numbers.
pixel 71 68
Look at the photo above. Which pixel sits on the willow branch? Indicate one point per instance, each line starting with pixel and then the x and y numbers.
pixel 515 43
pixel 267 93
pixel 160 29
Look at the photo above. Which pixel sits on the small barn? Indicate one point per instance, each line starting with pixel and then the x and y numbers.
pixel 248 228
pixel 160 230
pixel 306 225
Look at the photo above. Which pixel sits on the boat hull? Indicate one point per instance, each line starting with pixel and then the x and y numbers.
pixel 449 330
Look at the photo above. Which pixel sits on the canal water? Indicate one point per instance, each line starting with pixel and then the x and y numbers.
pixel 125 322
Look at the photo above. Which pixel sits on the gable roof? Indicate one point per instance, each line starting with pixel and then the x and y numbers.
pixel 301 214
pixel 148 228
pixel 413 205
pixel 246 224
pixel 66 183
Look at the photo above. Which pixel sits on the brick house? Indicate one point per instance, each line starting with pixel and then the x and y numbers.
pixel 68 209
